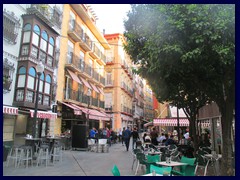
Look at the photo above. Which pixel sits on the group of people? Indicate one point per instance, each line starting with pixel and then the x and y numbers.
pixel 122 136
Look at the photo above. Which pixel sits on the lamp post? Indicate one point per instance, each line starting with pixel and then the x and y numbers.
pixel 39 69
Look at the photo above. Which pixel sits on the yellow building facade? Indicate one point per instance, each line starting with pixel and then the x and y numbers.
pixel 80 70
pixel 119 84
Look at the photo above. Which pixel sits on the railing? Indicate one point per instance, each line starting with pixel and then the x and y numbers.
pixel 48 14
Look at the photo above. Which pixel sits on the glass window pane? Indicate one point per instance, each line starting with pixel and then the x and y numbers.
pixel 50 49
pixel 50 61
pixel 25 50
pixel 34 52
pixel 32 72
pixel 22 70
pixel 30 83
pixel 43 45
pixel 35 39
pixel 26 37
pixel 36 29
pixel 47 88
pixel 41 86
pixel 21 80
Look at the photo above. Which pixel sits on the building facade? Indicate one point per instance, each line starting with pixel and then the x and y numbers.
pixel 34 35
pixel 119 83
pixel 81 75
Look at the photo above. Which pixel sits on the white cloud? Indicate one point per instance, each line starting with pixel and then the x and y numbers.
pixel 111 16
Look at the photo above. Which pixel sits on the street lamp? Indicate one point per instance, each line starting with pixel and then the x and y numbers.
pixel 39 69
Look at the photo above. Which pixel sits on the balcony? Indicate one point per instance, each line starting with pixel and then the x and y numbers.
pixel 51 16
pixel 7 82
pixel 74 63
pixel 75 31
pixel 95 52
pixel 85 42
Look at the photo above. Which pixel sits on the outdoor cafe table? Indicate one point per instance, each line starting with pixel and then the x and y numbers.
pixel 154 153
pixel 150 174
pixel 171 164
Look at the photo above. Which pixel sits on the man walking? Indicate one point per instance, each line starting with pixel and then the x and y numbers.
pixel 135 136
pixel 126 136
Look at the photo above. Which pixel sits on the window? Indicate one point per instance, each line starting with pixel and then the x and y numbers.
pixel 51 46
pixel 41 82
pixel 72 21
pixel 50 61
pixel 25 50
pixel 36 35
pixel 90 67
pixel 48 84
pixel 34 52
pixel 82 60
pixel 42 56
pixel 44 40
pixel 31 78
pixel 27 33
pixel 109 79
pixel 21 77
pixel 11 25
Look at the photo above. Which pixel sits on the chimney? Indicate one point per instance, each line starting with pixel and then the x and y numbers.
pixel 103 31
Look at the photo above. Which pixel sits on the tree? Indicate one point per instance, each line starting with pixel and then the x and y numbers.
pixel 186 52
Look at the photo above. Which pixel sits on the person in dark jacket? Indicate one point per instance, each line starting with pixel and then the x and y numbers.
pixel 170 141
pixel 135 137
pixel 126 136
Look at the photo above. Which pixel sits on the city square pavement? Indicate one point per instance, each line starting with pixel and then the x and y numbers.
pixel 81 163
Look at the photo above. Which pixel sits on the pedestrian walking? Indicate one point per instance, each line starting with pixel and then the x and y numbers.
pixel 127 135
pixel 135 137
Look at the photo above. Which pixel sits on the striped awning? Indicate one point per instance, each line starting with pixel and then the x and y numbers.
pixel 170 122
pixel 10 110
pixel 44 114
pixel 76 110
pixel 93 114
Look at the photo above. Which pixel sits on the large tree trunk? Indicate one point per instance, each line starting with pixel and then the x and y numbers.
pixel 226 121
pixel 193 134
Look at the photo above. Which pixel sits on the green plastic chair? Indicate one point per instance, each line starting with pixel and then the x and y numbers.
pixel 115 171
pixel 153 158
pixel 134 152
pixel 187 170
pixel 160 169
pixel 142 160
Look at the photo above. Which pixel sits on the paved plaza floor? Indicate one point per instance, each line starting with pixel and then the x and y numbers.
pixel 84 163
pixel 81 163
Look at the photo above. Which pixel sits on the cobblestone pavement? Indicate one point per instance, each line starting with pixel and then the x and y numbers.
pixel 82 163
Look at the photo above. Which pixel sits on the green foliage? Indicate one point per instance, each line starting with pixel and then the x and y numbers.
pixel 185 46
pixel 187 54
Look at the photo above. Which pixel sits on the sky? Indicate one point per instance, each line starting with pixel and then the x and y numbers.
pixel 110 17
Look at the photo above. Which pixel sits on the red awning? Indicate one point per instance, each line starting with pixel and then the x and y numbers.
pixel 93 114
pixel 10 110
pixel 85 82
pixel 100 90
pixel 170 122
pixel 94 87
pixel 76 110
pixel 44 114
pixel 74 76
